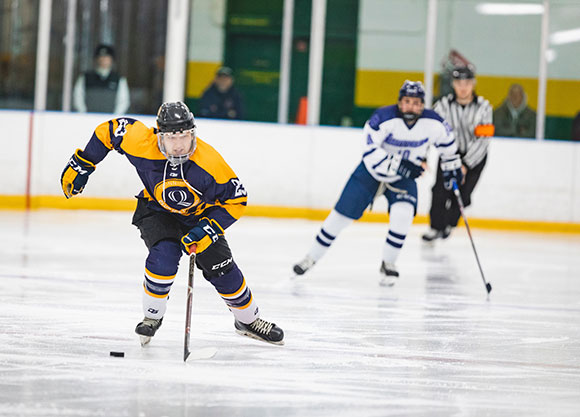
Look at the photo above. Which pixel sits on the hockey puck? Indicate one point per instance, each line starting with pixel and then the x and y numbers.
pixel 117 354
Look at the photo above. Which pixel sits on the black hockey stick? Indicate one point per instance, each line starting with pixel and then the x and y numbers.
pixel 186 350
pixel 462 210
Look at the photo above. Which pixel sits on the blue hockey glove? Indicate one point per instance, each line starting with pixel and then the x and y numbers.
pixel 407 169
pixel 449 177
pixel 76 174
pixel 452 172
pixel 201 236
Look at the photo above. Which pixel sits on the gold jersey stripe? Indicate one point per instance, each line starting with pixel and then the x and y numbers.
pixel 161 277
pixel 207 158
pixel 238 200
pixel 235 294
pixel 245 305
pixel 234 210
pixel 102 133
pixel 141 141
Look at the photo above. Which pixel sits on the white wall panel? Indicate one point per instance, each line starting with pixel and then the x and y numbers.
pixel 297 166
pixel 14 151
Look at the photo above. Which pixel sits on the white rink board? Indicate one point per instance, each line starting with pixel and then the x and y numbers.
pixel 299 166
pixel 14 139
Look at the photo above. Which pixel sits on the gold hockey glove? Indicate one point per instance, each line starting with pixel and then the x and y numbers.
pixel 76 174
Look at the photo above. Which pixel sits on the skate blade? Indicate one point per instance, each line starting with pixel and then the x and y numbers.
pixel 296 277
pixel 387 282
pixel 253 336
pixel 200 354
pixel 144 340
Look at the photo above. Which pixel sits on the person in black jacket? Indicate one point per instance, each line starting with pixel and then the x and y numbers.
pixel 102 89
pixel 221 100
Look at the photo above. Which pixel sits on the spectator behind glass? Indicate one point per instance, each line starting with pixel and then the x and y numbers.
pixel 102 90
pixel 514 118
pixel 221 100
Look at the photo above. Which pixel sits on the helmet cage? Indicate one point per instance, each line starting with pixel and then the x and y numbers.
pixel 163 137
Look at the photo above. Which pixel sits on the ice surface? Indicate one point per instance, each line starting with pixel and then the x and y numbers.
pixel 70 292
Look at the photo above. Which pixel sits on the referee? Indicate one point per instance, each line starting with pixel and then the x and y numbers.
pixel 470 116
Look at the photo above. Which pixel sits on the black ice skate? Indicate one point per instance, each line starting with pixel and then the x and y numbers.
pixel 147 328
pixel 261 330
pixel 390 275
pixel 434 234
pixel 304 265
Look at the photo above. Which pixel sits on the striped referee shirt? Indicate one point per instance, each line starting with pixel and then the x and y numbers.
pixel 463 120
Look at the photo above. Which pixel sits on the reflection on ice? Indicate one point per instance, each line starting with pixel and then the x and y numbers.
pixel 430 346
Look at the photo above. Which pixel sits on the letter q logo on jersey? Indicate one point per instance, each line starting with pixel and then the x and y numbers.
pixel 179 197
pixel 176 197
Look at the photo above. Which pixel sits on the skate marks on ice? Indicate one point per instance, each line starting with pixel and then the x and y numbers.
pixel 429 346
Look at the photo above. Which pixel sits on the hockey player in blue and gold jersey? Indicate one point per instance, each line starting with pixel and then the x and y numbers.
pixel 396 139
pixel 191 196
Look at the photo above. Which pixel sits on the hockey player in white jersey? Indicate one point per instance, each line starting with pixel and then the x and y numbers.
pixel 396 139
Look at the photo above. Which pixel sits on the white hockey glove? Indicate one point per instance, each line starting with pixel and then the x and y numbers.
pixel 396 165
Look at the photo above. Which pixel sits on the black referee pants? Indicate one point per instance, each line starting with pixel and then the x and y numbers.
pixel 444 208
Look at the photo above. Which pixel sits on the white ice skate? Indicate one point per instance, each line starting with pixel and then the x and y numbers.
pixel 304 265
pixel 147 328
pixel 389 274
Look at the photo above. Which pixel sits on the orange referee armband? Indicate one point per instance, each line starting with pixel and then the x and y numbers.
pixel 484 130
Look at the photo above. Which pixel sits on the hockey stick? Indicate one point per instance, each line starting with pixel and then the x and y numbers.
pixel 186 351
pixel 202 353
pixel 462 210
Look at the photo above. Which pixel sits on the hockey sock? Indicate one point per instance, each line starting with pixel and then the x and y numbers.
pixel 401 218
pixel 160 270
pixel 232 288
pixel 331 228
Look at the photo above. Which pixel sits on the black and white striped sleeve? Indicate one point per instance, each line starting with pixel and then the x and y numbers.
pixel 477 147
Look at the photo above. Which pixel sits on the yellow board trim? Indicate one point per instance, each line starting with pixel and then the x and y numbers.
pixel 8 202
pixel 380 88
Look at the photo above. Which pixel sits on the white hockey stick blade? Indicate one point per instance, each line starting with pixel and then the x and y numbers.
pixel 201 353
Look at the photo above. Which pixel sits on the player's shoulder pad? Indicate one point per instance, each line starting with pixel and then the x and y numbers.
pixel 210 160
pixel 381 115
pixel 431 114
pixel 121 126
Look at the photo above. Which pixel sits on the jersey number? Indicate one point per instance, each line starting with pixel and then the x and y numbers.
pixel 121 129
pixel 240 190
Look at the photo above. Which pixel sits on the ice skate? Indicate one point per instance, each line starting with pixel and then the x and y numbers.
pixel 304 265
pixel 261 330
pixel 147 328
pixel 390 275
pixel 434 234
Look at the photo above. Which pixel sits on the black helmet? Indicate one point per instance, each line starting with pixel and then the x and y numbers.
pixel 174 117
pixel 463 73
